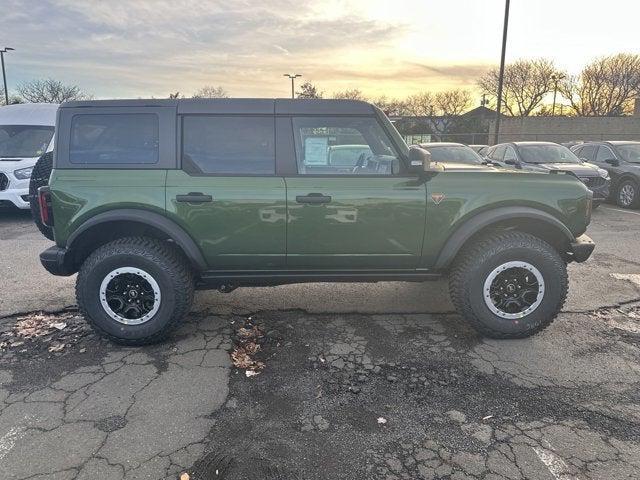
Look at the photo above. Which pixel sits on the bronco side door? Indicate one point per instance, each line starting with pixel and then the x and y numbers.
pixel 351 204
pixel 226 194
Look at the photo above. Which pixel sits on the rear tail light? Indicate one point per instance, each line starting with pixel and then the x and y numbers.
pixel 44 201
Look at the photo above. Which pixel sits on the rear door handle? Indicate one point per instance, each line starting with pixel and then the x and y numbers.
pixel 313 198
pixel 194 197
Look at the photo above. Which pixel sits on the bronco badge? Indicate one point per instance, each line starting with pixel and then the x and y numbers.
pixel 437 198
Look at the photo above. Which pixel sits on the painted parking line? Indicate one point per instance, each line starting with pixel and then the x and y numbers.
pixel 630 277
pixel 8 440
pixel 620 210
pixel 556 465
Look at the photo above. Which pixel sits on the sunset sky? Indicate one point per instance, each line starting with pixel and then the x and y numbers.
pixel 144 48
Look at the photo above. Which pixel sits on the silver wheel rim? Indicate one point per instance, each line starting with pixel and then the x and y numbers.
pixel 108 302
pixel 627 192
pixel 492 289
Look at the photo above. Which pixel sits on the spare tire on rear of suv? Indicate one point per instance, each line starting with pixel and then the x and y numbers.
pixel 39 178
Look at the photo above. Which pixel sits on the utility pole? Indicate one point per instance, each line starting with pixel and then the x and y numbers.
pixel 501 77
pixel 4 75
pixel 293 77
pixel 555 77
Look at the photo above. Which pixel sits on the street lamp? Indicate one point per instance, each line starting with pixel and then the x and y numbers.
pixel 501 77
pixel 4 75
pixel 293 77
pixel 555 78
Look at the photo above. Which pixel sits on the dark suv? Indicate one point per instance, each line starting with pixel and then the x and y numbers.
pixel 622 160
pixel 551 157
pixel 150 199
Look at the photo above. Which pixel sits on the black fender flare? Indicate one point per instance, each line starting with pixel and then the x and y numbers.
pixel 484 219
pixel 174 231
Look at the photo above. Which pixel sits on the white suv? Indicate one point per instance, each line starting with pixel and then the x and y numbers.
pixel 26 133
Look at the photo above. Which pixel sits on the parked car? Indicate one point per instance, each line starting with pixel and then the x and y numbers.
pixel 150 199
pixel 26 133
pixel 480 149
pixel 551 157
pixel 452 152
pixel 622 160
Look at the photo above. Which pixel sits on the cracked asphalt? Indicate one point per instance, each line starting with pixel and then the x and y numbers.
pixel 378 381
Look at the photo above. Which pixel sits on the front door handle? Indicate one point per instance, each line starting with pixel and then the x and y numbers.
pixel 313 198
pixel 194 197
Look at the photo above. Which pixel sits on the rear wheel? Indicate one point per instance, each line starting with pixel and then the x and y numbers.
pixel 627 195
pixel 39 178
pixel 509 285
pixel 135 290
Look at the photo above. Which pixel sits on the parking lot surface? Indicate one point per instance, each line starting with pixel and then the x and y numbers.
pixel 360 381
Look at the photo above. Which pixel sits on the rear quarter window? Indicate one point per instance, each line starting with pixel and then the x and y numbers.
pixel 114 139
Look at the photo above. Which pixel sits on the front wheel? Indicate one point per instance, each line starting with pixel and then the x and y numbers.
pixel 135 291
pixel 627 195
pixel 509 285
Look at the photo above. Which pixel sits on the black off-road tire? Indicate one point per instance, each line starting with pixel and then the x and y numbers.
pixel 474 265
pixel 635 202
pixel 39 178
pixel 163 262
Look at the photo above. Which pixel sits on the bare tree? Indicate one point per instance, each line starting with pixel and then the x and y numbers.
pixel 13 99
pixel 350 94
pixel 449 106
pixel 608 86
pixel 309 90
pixel 392 107
pixel 50 91
pixel 210 91
pixel 421 104
pixel 526 82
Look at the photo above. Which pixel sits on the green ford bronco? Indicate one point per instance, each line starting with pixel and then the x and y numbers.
pixel 151 199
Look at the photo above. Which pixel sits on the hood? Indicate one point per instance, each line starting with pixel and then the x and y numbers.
pixel 11 164
pixel 449 166
pixel 578 169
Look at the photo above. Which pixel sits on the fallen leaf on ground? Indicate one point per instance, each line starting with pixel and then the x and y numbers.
pixel 184 476
pixel 57 348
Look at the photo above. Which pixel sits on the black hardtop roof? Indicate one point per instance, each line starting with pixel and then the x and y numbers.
pixel 263 106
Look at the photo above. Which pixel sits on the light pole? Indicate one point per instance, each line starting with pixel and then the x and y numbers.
pixel 293 77
pixel 555 77
pixel 501 77
pixel 4 75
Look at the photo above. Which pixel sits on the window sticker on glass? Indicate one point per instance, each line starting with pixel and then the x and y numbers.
pixel 316 150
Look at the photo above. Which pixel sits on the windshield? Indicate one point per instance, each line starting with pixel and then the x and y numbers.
pixel 547 154
pixel 454 154
pixel 630 152
pixel 24 140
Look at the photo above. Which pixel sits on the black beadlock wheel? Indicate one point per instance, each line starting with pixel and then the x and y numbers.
pixel 627 195
pixel 135 290
pixel 39 178
pixel 509 284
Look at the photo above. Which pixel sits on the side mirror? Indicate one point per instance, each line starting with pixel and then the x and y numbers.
pixel 419 158
pixel 612 161
pixel 513 162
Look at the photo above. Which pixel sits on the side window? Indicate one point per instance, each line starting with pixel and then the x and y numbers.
pixel 214 144
pixel 510 154
pixel 604 153
pixel 587 152
pixel 498 152
pixel 343 146
pixel 114 139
